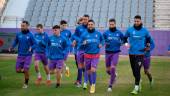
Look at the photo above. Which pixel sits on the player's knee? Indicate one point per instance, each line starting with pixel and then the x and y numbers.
pixel 18 71
pixel 93 69
pixel 80 66
pixel 146 72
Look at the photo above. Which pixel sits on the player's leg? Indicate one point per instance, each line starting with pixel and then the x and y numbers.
pixel 108 63
pixel 146 66
pixel 75 58
pixel 80 70
pixel 27 64
pixel 44 60
pixel 85 74
pixel 52 66
pixel 94 63
pixel 37 59
pixel 136 63
pixel 66 68
pixel 20 64
pixel 114 62
pixel 59 67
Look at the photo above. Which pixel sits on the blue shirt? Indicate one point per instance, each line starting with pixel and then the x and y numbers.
pixel 137 40
pixel 41 42
pixel 57 47
pixel 152 46
pixel 113 40
pixel 92 42
pixel 24 42
pixel 81 29
pixel 67 34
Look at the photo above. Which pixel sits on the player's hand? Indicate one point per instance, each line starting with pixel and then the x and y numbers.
pixel 10 49
pixel 127 45
pixel 84 42
pixel 100 45
pixel 74 43
pixel 30 49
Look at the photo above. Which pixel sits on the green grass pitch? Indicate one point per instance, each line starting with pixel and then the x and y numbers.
pixel 11 82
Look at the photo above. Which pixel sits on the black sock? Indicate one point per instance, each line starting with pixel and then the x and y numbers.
pixel 26 81
pixel 149 77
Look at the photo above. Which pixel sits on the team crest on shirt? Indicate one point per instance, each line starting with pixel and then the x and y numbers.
pixel 96 35
pixel 117 35
pixel 43 37
pixel 133 32
pixel 28 37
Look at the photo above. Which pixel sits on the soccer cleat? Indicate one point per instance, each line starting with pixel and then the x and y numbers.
pixel 135 92
pixel 109 89
pixel 25 86
pixel 92 88
pixel 48 82
pixel 67 73
pixel 38 81
pixel 85 86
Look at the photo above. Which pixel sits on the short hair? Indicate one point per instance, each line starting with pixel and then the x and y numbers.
pixel 91 21
pixel 137 17
pixel 63 22
pixel 86 15
pixel 112 20
pixel 39 26
pixel 26 22
pixel 56 27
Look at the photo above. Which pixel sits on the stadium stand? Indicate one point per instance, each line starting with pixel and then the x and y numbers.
pixel 162 14
pixel 50 12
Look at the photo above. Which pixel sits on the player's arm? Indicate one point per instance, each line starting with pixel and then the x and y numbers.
pixel 65 46
pixel 14 44
pixel 152 44
pixel 33 43
pixel 125 39
pixel 45 41
pixel 122 38
pixel 101 41
pixel 74 40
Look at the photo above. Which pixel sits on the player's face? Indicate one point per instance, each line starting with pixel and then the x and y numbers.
pixel 56 32
pixel 112 25
pixel 24 26
pixel 90 25
pixel 63 26
pixel 137 22
pixel 39 30
pixel 85 20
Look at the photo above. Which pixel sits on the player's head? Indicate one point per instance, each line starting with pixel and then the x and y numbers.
pixel 63 24
pixel 137 21
pixel 80 21
pixel 24 26
pixel 85 19
pixel 91 25
pixel 39 28
pixel 56 30
pixel 112 23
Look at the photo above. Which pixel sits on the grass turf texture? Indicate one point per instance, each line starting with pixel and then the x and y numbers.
pixel 11 82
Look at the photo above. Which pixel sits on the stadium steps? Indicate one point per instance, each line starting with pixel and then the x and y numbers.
pixel 162 14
